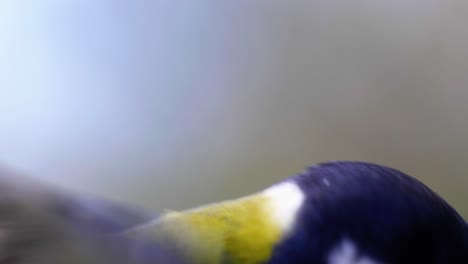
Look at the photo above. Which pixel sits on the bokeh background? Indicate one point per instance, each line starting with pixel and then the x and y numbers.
pixel 171 104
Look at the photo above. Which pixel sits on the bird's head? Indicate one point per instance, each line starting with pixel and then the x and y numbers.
pixel 357 211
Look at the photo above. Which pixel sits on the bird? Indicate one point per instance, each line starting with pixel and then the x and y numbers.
pixel 335 212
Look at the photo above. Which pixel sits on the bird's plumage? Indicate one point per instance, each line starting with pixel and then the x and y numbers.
pixel 332 213
pixel 389 216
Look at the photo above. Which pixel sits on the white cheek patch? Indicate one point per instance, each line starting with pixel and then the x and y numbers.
pixel 346 253
pixel 286 200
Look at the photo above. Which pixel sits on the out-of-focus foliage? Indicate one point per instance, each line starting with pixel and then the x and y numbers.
pixel 174 103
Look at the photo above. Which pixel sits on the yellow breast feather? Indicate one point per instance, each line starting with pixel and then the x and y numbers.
pixel 238 231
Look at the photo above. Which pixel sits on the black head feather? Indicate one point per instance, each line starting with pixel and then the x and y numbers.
pixel 389 216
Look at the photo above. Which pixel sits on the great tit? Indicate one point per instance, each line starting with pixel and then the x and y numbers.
pixel 339 212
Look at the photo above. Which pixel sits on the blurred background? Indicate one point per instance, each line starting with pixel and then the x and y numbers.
pixel 172 104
